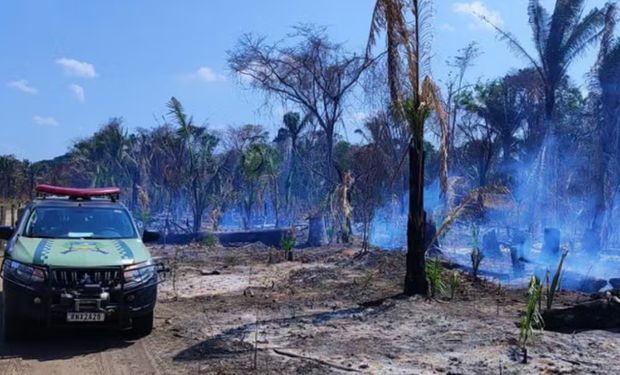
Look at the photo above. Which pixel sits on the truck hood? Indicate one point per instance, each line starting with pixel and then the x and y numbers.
pixel 79 252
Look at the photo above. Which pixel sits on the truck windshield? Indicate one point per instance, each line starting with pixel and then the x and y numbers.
pixel 79 222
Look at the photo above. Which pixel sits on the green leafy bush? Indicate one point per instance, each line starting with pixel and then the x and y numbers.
pixel 434 274
pixel 209 240
pixel 287 243
pixel 532 318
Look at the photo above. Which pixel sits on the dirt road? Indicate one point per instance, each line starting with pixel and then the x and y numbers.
pixel 68 352
pixel 240 311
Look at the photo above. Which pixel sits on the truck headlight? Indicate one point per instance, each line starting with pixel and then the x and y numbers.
pixel 24 273
pixel 139 273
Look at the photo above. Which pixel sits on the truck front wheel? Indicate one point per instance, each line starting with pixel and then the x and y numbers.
pixel 12 324
pixel 142 326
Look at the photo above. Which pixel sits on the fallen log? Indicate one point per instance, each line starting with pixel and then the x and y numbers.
pixel 598 314
pixel 270 237
pixel 575 281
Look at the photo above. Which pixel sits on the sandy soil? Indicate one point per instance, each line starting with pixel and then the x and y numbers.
pixel 330 311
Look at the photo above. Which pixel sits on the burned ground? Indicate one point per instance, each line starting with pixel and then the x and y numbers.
pixel 333 312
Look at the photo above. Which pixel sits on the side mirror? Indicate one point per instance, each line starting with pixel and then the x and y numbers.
pixel 150 236
pixel 6 232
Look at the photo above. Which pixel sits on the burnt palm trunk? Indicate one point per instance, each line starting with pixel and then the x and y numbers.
pixel 415 279
pixel 592 237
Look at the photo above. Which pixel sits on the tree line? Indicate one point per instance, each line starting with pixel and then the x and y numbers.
pixel 554 146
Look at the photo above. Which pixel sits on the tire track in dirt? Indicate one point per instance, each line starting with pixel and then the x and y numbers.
pixel 41 358
pixel 79 353
pixel 127 361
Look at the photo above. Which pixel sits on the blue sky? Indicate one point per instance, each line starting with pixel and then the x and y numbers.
pixel 69 65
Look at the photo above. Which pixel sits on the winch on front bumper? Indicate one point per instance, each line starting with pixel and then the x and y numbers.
pixel 99 297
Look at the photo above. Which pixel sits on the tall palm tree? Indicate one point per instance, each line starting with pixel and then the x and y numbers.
pixel 559 39
pixel 607 138
pixel 294 125
pixel 498 103
pixel 198 166
pixel 414 96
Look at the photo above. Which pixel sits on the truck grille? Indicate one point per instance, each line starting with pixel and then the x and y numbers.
pixel 71 278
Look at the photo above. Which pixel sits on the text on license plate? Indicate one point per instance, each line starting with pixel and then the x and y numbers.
pixel 85 317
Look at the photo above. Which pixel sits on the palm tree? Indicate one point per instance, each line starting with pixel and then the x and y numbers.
pixel 198 167
pixel 559 39
pixel 414 97
pixel 498 103
pixel 607 138
pixel 294 125
pixel 105 156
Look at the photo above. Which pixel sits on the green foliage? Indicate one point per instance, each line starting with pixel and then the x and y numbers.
pixel 259 159
pixel 209 240
pixel 434 274
pixel 555 283
pixel 454 283
pixel 287 243
pixel 342 155
pixel 532 318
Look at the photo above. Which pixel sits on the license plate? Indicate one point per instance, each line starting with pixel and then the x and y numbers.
pixel 85 317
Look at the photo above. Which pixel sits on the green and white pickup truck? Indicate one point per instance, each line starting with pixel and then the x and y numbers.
pixel 75 258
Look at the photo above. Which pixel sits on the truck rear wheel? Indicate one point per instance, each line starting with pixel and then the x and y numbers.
pixel 142 326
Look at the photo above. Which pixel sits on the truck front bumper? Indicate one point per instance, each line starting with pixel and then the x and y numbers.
pixel 49 307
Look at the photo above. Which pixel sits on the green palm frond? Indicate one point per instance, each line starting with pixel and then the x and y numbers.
pixel 532 319
pixel 176 110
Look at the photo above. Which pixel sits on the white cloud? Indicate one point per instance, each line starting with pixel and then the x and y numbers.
pixel 77 68
pixel 477 10
pixel 45 121
pixel 23 86
pixel 78 92
pixel 207 74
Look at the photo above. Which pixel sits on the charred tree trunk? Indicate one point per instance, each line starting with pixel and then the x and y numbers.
pixel 317 234
pixel 592 237
pixel 415 279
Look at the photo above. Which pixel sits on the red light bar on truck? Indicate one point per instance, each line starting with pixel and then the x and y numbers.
pixel 112 193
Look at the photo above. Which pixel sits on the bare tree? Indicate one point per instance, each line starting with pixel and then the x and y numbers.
pixel 315 74
pixel 461 62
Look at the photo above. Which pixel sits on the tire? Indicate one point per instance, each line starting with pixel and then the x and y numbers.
pixel 142 326
pixel 13 325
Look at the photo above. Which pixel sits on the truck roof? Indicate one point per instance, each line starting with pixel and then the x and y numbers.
pixel 55 196
pixel 68 202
